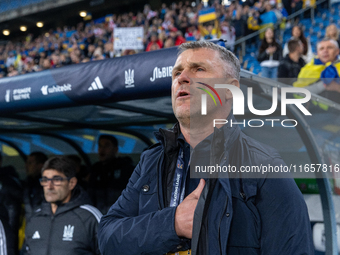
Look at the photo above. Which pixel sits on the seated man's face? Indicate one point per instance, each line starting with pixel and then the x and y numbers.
pixel 58 191
pixel 327 52
pixel 106 150
pixel 32 166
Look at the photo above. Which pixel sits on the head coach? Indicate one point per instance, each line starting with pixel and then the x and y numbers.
pixel 164 211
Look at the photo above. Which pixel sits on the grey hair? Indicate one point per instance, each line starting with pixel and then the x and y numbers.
pixel 327 39
pixel 227 56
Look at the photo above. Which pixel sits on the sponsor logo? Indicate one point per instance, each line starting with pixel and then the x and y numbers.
pixel 161 73
pixel 68 233
pixel 8 96
pixel 129 78
pixel 45 90
pixel 96 84
pixel 36 235
pixel 18 94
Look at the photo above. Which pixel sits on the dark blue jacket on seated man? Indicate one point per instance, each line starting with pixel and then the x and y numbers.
pixel 164 211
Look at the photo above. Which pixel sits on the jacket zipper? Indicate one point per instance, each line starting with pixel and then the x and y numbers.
pixel 219 227
pixel 49 236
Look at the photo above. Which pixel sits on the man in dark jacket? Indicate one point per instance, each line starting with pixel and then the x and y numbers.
pixel 290 66
pixel 66 224
pixel 11 200
pixel 163 210
pixel 33 192
pixel 109 175
pixel 8 237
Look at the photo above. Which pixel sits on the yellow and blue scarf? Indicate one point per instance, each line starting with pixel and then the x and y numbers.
pixel 316 70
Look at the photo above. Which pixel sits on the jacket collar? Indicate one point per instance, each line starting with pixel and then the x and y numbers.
pixel 225 135
pixel 79 197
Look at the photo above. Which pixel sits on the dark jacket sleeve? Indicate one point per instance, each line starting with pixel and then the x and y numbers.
pixel 285 223
pixel 123 231
pixel 263 56
pixel 282 70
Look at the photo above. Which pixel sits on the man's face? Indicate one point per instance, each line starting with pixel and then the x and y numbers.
pixel 60 193
pixel 32 167
pixel 193 64
pixel 106 149
pixel 327 52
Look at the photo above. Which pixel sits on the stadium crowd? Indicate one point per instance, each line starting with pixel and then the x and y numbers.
pixel 166 27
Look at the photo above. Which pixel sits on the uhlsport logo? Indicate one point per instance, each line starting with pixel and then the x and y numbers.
pixel 238 104
pixel 204 97
pixel 68 233
pixel 129 78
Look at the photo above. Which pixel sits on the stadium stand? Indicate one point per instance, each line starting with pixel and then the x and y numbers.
pixel 94 40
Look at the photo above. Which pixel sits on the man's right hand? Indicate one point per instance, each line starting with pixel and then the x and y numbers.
pixel 184 216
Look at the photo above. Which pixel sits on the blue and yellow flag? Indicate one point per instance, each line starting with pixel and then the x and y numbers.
pixel 206 15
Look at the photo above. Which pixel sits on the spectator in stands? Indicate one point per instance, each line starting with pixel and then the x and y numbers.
pixel 228 33
pixel 11 199
pixel 321 75
pixel 270 54
pixel 66 224
pixel 209 30
pixel 176 36
pixel 253 21
pixel 332 32
pixel 291 64
pixel 154 40
pixel 33 192
pixel 10 59
pixel 169 43
pixel 297 33
pixel 109 175
pixel 297 6
pixel 268 18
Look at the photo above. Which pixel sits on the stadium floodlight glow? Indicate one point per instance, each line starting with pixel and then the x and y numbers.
pixel 23 28
pixel 83 14
pixel 40 24
pixel 6 32
pixel 226 2
pixel 205 3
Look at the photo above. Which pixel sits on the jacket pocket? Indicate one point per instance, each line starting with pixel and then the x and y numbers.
pixel 148 199
pixel 245 229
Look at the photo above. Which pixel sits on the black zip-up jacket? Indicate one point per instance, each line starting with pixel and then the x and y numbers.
pixel 277 55
pixel 72 230
pixel 289 69
pixel 11 199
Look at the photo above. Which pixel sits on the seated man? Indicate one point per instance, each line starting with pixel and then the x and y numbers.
pixel 33 192
pixel 109 175
pixel 321 75
pixel 291 65
pixel 66 224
